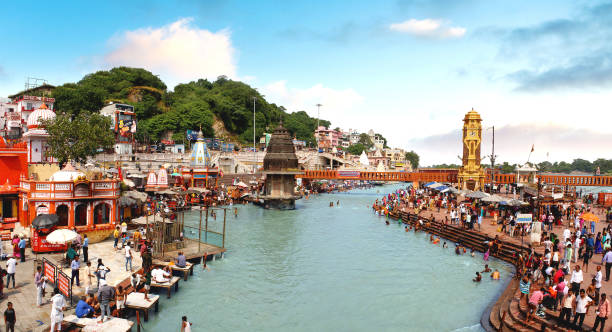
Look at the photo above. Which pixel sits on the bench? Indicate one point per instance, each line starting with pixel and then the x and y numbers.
pixel 114 324
pixel 174 281
pixel 136 301
pixel 187 270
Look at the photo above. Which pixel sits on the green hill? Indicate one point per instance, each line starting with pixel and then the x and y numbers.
pixel 190 106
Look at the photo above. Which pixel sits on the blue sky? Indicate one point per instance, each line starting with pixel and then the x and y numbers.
pixel 541 72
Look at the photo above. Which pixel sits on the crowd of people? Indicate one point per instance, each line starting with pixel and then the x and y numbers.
pixel 554 274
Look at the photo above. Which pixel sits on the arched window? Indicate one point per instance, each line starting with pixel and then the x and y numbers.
pixel 80 215
pixel 42 209
pixel 102 214
pixel 62 213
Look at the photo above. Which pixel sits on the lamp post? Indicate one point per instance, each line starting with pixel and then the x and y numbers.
pixel 492 158
pixel 254 149
pixel 318 118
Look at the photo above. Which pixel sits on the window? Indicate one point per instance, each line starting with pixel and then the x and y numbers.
pixel 7 208
pixel 29 106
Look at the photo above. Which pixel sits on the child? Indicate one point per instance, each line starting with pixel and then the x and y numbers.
pixel 9 317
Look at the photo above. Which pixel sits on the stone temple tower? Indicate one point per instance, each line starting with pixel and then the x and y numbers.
pixel 280 167
pixel 471 175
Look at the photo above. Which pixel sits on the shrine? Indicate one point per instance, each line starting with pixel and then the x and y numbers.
pixel 201 173
pixel 471 175
pixel 280 168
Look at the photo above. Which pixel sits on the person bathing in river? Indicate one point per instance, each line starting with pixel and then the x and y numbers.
pixel 486 269
pixel 478 277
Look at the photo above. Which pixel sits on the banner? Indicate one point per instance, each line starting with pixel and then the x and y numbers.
pixel 524 218
pixel 49 270
pixel 63 283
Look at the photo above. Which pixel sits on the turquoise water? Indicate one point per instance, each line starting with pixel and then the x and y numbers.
pixel 330 269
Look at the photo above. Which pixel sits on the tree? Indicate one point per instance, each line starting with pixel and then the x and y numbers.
pixel 356 149
pixel 382 138
pixel 507 168
pixel 75 139
pixel 366 141
pixel 413 157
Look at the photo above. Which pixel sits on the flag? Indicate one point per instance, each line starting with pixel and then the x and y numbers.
pixel 532 146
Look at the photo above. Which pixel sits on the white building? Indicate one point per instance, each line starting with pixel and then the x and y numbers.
pixel 123 124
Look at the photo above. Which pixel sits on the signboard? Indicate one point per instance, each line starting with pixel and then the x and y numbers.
pixel 524 218
pixel 63 283
pixel 49 270
pixel 40 244
pixel 13 119
pixel 36 98
pixel 349 174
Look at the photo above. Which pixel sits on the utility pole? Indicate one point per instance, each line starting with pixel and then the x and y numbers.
pixel 318 118
pixel 254 149
pixel 493 160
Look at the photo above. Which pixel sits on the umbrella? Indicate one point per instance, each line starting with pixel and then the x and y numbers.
pixel 112 170
pixel 512 202
pixel 62 236
pixel 43 221
pixel 129 183
pixel 493 199
pixel 453 190
pixel 477 194
pixel 589 217
pixel 165 192
pixel 242 184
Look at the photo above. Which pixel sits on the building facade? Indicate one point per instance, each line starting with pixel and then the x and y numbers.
pixel 123 124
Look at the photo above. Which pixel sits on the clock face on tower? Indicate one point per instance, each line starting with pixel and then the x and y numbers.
pixel 472 133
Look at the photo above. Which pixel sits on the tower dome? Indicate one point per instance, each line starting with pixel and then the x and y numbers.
pixel 199 155
pixel 41 113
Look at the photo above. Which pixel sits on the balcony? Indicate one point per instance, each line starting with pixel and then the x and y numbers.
pixel 70 189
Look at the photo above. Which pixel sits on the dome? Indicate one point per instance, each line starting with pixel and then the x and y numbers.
pixel 41 113
pixel 68 173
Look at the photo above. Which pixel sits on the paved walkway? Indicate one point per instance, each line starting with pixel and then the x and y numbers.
pixel 33 318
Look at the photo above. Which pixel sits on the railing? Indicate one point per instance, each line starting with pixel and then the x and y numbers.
pixel 566 180
pixel 68 189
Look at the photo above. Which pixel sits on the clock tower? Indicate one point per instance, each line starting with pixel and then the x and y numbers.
pixel 471 175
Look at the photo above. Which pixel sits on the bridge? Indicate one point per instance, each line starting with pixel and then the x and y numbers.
pixel 562 180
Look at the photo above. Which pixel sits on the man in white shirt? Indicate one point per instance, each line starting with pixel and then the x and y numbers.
pixel 57 310
pixel 581 307
pixel 598 277
pixel 11 267
pixel 160 276
pixel 128 256
pixel 566 234
pixel 576 279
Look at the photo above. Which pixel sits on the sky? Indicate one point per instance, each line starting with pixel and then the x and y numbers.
pixel 540 72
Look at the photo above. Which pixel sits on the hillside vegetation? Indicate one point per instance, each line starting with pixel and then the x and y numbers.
pixel 191 105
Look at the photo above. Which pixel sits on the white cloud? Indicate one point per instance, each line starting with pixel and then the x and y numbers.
pixel 428 28
pixel 337 104
pixel 178 52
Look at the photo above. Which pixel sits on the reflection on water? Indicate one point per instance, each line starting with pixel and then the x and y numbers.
pixel 318 268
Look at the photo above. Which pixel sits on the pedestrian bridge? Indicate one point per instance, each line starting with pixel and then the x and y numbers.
pixel 562 180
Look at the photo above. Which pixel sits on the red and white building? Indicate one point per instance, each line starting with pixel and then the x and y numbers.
pixel 328 138
pixel 123 124
pixel 16 113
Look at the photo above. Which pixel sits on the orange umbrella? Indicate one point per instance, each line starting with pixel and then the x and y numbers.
pixel 589 217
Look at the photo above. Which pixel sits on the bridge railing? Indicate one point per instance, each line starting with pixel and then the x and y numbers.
pixel 569 180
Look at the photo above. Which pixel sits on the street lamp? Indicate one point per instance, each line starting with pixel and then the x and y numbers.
pixel 492 157
pixel 318 118
pixel 254 149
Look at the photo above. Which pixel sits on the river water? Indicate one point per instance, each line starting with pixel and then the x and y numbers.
pixel 321 268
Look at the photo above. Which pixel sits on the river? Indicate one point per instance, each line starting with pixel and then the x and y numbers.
pixel 321 268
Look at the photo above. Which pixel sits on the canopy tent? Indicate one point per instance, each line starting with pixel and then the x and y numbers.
pixel 453 190
pixel 166 192
pixel 477 194
pixel 45 221
pixel 512 202
pixel 435 185
pixel 129 183
pixel 126 201
pixel 493 199
pixel 151 219
pixel 441 188
pixel 429 183
pixel 242 185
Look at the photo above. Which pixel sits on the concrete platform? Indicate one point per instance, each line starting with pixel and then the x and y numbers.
pixel 91 324
pixel 136 301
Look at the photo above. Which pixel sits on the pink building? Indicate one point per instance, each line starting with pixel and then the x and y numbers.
pixel 328 138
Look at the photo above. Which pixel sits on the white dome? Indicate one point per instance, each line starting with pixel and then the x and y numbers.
pixel 69 173
pixel 42 113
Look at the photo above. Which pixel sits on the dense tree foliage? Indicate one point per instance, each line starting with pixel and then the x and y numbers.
pixel 366 141
pixel 76 138
pixel 445 166
pixel 190 106
pixel 356 149
pixel 413 157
